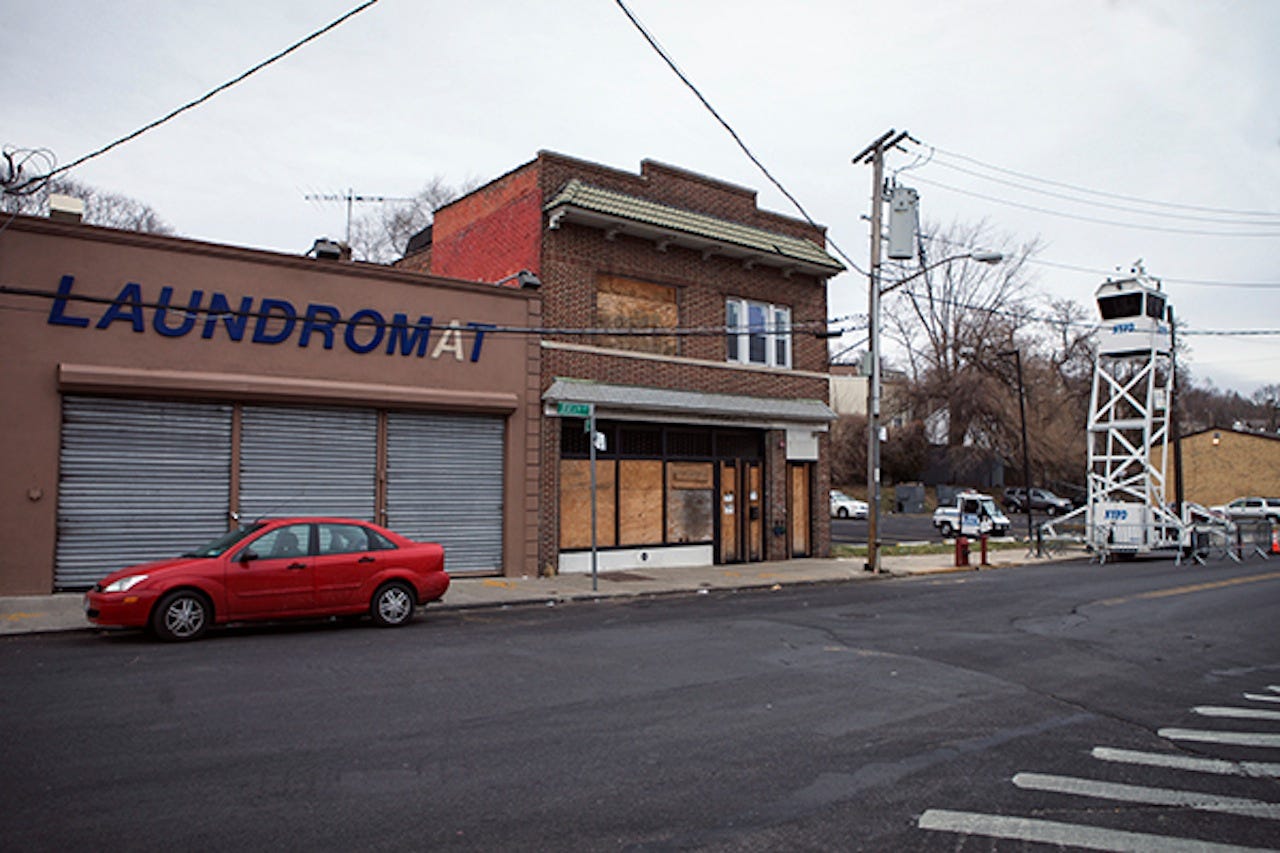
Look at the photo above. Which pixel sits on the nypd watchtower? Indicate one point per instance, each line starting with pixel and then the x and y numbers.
pixel 1128 513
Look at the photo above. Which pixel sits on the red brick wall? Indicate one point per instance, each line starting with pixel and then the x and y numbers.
pixel 491 233
pixel 499 229
pixel 575 256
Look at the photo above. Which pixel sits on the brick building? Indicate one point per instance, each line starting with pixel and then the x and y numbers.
pixel 712 396
pixel 1221 464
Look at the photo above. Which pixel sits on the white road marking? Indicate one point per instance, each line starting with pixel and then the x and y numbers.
pixel 1182 762
pixel 1236 713
pixel 1258 697
pixel 1228 738
pixel 1153 796
pixel 1066 834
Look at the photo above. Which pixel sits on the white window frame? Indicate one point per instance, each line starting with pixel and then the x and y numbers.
pixel 775 332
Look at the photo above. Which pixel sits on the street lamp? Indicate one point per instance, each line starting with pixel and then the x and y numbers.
pixel 873 381
pixel 1026 462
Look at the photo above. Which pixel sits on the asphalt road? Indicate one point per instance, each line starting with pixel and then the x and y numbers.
pixel 897 714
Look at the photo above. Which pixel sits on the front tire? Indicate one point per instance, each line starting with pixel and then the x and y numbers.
pixel 182 615
pixel 392 605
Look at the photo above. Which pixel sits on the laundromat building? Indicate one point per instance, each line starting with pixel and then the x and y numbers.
pixel 157 390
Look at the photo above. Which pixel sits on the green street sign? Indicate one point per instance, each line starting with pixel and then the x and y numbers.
pixel 573 410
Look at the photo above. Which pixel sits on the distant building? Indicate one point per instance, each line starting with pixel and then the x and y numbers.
pixel 715 441
pixel 1220 464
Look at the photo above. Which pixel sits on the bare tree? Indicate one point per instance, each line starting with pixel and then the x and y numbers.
pixel 1267 398
pixel 101 207
pixel 380 236
pixel 953 321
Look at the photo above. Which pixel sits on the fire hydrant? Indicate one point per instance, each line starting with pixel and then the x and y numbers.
pixel 983 561
pixel 962 551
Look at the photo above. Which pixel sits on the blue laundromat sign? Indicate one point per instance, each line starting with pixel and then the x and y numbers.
pixel 270 321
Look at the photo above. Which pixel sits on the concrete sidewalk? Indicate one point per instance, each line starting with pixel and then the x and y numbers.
pixel 65 611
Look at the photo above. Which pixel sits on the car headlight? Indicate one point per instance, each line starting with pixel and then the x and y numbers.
pixel 124 583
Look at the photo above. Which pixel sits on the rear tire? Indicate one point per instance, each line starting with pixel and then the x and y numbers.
pixel 842 513
pixel 392 605
pixel 946 530
pixel 182 615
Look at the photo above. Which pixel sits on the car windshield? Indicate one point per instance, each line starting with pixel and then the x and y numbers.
pixel 224 542
pixel 989 506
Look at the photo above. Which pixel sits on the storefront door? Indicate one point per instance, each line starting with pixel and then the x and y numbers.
pixel 798 533
pixel 741 519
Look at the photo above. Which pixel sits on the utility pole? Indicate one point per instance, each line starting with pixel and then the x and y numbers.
pixel 1032 542
pixel 874 154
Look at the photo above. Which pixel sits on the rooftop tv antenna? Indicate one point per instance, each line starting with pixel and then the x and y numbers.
pixel 350 197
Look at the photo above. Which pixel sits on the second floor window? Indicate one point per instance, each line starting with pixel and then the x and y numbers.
pixel 759 333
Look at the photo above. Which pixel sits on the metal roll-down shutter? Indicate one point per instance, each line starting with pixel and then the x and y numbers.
pixel 444 484
pixel 308 461
pixel 139 480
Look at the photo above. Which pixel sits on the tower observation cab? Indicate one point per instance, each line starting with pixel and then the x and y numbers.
pixel 1136 318
pixel 1127 512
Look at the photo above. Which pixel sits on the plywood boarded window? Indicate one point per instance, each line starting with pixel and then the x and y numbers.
pixel 690 502
pixel 640 502
pixel 575 503
pixel 627 303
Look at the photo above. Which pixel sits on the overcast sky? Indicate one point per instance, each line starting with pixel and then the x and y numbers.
pixel 1173 101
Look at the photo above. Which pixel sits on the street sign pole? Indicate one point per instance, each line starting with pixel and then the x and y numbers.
pixel 587 411
pixel 591 440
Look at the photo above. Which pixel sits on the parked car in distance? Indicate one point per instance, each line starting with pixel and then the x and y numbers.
pixel 1042 500
pixel 1251 507
pixel 276 569
pixel 843 506
pixel 972 514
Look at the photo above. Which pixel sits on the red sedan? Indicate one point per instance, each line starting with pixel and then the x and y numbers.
pixel 282 568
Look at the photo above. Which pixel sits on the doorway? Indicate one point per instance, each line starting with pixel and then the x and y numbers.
pixel 740 521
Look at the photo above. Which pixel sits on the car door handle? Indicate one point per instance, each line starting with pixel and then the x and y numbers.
pixel 366 560
pixel 296 566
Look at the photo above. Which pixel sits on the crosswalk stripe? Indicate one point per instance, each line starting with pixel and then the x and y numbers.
pixel 1153 796
pixel 1236 713
pixel 1066 834
pixel 1182 762
pixel 1228 738
pixel 1258 697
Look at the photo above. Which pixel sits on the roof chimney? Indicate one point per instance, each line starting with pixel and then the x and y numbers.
pixel 65 208
pixel 327 250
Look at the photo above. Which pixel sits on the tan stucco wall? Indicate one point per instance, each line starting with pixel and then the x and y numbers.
pixel 37 355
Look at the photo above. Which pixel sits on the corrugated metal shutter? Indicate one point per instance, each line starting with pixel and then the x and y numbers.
pixel 308 462
pixel 140 480
pixel 444 484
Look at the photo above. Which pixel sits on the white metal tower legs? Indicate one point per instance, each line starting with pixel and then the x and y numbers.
pixel 1129 512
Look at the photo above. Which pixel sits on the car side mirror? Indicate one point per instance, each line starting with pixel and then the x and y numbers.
pixel 248 555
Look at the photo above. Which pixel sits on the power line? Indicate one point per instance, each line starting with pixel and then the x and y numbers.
pixel 1101 193
pixel 1096 221
pixel 1217 220
pixel 1032 317
pixel 1200 282
pixel 666 57
pixel 814 327
pixel 192 104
